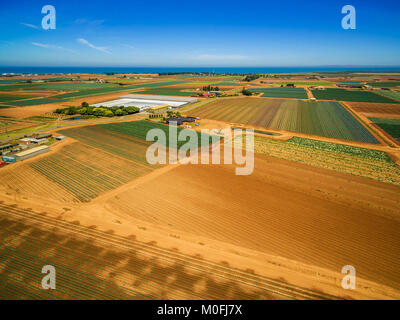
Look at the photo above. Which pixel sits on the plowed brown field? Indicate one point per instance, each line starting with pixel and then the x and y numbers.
pixel 92 264
pixel 378 110
pixel 311 215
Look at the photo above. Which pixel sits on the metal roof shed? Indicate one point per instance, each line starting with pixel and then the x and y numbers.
pixel 31 152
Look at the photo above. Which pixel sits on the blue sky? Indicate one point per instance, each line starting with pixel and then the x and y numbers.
pixel 190 33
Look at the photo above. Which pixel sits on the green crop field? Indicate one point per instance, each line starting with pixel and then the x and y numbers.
pixel 323 118
pixel 139 129
pixel 373 164
pixel 159 84
pixel 201 83
pixel 349 95
pixel 391 126
pixel 15 87
pixel 391 94
pixel 306 83
pixel 87 171
pixel 95 92
pixel 71 86
pixel 295 93
pixel 7 98
pixel 12 81
pixel 341 148
pixel 33 102
pixel 350 82
pixel 384 84
pixel 229 84
pixel 168 92
pixel 121 145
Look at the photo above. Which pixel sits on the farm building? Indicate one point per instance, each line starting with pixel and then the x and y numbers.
pixel 31 152
pixel 146 101
pixel 8 146
pixel 26 141
pixel 43 136
pixel 179 121
pixel 159 109
pixel 59 138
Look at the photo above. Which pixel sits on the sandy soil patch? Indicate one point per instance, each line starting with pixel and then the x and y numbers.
pixel 378 110
pixel 314 216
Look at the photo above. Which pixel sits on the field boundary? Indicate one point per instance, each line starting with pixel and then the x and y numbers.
pixel 377 135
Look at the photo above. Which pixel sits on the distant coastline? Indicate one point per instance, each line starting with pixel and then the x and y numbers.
pixel 226 70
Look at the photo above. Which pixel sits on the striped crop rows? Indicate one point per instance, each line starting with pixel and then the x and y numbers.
pixel 323 118
pixel 357 161
pixel 92 264
pixel 87 172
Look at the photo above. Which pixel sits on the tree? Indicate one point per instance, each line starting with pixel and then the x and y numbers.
pixel 108 113
pixel 119 112
pixel 251 77
pixel 82 110
pixel 71 111
pixel 246 92
pixel 84 105
pixel 131 110
pixel 99 112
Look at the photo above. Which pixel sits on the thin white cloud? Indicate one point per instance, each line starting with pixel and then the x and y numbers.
pixel 50 46
pixel 30 25
pixel 87 43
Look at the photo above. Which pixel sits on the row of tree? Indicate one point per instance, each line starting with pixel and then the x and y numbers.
pixel 101 111
pixel 210 88
pixel 246 92
pixel 251 77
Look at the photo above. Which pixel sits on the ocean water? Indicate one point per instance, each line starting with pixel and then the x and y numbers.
pixel 241 70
